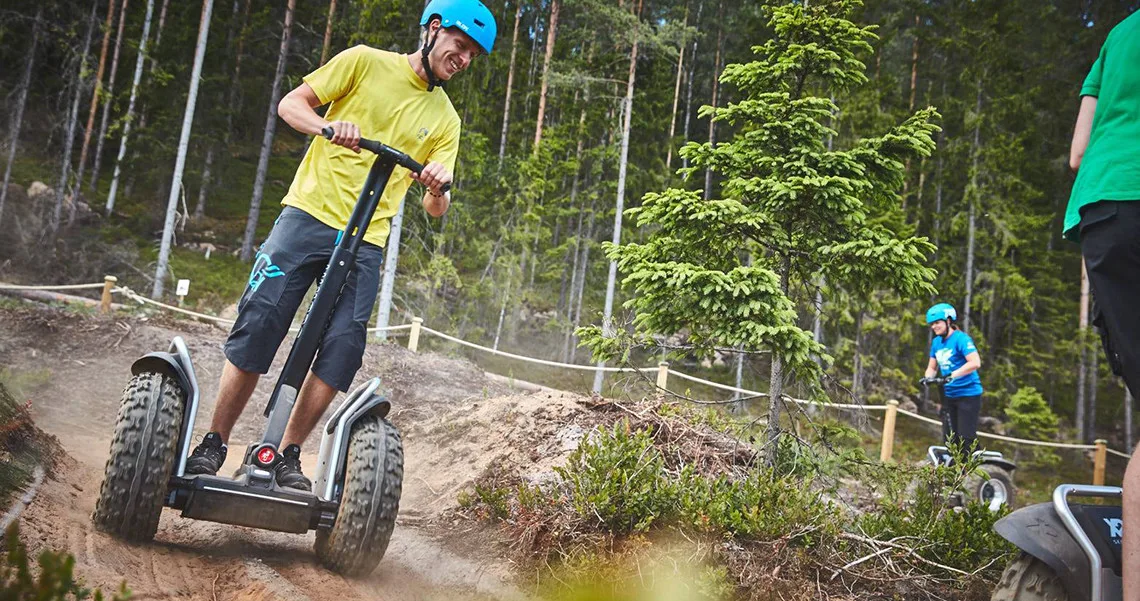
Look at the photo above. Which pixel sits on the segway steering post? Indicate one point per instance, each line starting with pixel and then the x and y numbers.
pixel 332 283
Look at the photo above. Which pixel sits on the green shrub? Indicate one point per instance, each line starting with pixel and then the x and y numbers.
pixel 55 580
pixel 913 507
pixel 618 478
pixel 1030 417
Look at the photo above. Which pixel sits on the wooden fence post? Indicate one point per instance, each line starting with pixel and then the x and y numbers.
pixel 662 375
pixel 888 445
pixel 108 283
pixel 1099 461
pixel 414 336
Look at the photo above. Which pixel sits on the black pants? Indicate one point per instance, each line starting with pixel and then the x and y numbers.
pixel 1110 243
pixel 960 420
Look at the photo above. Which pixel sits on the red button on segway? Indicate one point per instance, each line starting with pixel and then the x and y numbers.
pixel 266 456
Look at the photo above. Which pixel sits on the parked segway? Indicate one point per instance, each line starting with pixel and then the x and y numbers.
pixel 1069 552
pixel 358 479
pixel 995 488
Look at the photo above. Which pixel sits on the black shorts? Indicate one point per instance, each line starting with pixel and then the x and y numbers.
pixel 291 259
pixel 1111 248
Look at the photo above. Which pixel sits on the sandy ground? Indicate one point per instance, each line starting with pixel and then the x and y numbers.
pixel 455 422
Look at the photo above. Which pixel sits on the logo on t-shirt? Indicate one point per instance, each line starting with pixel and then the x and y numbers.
pixel 942 356
pixel 422 134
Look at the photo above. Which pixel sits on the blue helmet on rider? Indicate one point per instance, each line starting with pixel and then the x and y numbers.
pixel 469 16
pixel 939 312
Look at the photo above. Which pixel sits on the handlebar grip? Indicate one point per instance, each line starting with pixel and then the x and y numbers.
pixel 400 158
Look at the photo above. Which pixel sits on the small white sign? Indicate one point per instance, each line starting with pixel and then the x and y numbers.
pixel 183 288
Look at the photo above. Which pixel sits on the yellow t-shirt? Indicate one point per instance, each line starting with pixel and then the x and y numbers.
pixel 378 91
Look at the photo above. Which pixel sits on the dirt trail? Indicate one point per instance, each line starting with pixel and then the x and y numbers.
pixel 455 423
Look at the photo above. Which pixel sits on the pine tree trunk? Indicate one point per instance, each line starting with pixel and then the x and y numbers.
pixel 531 69
pixel 158 34
pixel 72 117
pixel 972 222
pixel 1082 345
pixel 715 89
pixel 576 248
pixel 124 139
pixel 936 230
pixel 502 315
pixel 328 33
pixel 143 112
pixel 21 102
pixel 910 109
pixel 776 384
pixel 510 83
pixel 94 101
pixel 583 263
pixel 689 82
pixel 103 122
pixel 857 360
pixel 208 176
pixel 623 166
pixel 267 139
pixel 200 207
pixel 1090 430
pixel 817 319
pixel 551 34
pixel 183 145
pixel 388 281
pixel 676 94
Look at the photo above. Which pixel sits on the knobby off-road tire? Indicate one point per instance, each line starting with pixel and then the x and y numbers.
pixel 142 457
pixel 999 477
pixel 374 476
pixel 1029 579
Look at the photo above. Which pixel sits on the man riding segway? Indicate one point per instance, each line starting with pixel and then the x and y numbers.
pixel 395 98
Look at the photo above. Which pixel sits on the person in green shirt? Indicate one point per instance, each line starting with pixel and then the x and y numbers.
pixel 1104 217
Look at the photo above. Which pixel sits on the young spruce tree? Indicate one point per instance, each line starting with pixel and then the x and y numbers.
pixel 732 272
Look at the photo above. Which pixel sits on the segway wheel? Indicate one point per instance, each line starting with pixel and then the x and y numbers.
pixel 994 493
pixel 1029 579
pixel 374 475
pixel 143 452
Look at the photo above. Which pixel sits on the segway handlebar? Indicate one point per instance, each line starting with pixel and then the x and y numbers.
pixel 935 381
pixel 384 150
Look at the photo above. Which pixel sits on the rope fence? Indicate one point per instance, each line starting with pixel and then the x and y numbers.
pixel 663 371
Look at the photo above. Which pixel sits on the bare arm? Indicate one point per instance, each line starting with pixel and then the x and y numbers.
pixel 973 362
pixel 296 108
pixel 932 368
pixel 1082 131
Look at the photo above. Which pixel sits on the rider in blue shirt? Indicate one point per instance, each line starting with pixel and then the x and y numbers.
pixel 954 358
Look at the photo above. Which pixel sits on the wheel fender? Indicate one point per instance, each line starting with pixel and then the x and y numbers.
pixel 1039 532
pixel 1004 464
pixel 163 363
pixel 377 405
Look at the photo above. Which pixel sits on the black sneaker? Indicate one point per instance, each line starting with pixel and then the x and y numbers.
pixel 208 456
pixel 288 470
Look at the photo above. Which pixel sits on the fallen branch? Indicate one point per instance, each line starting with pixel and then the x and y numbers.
pixel 873 542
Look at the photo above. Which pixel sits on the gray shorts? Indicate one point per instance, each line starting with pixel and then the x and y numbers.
pixel 294 256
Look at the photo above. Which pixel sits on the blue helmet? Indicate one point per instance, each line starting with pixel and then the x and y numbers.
pixel 470 16
pixel 939 312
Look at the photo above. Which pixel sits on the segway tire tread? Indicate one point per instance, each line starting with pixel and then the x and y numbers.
pixel 1029 579
pixel 370 502
pixel 143 451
